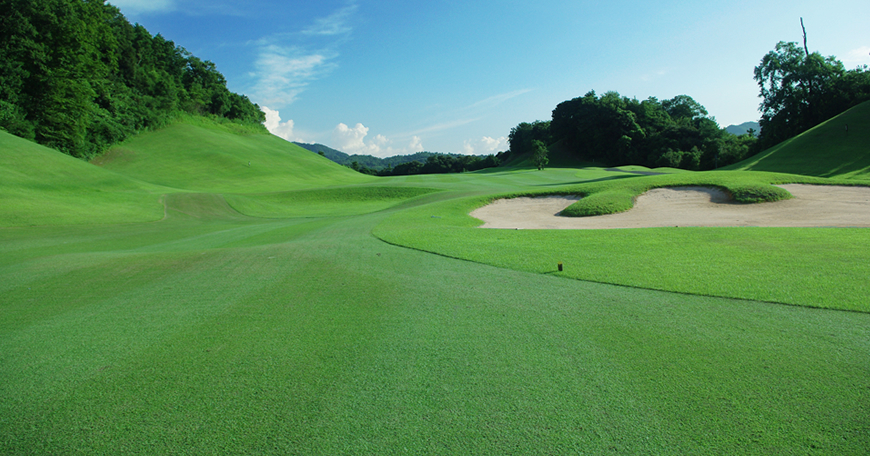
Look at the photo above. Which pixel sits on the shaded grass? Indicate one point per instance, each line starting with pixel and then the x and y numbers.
pixel 324 202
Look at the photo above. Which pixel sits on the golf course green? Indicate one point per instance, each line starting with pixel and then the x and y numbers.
pixel 199 290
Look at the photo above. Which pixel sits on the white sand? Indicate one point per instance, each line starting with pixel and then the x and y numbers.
pixel 812 206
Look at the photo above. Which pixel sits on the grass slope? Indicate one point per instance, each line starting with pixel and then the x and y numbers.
pixel 43 186
pixel 207 158
pixel 827 150
pixel 324 202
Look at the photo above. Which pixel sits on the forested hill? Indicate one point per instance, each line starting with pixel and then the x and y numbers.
pixel 75 75
pixel 368 161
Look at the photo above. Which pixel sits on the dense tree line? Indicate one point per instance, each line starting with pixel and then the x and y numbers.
pixel 77 76
pixel 800 89
pixel 616 130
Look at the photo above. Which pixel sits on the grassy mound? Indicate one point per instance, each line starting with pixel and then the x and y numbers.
pixel 208 158
pixel 839 147
pixel 617 196
pixel 43 186
pixel 324 202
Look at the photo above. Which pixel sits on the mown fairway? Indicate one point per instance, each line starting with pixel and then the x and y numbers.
pixel 214 332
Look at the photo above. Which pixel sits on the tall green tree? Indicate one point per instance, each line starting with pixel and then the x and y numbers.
pixel 795 87
pixel 539 154
pixel 521 137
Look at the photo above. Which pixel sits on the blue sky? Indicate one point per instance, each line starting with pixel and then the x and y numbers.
pixel 397 77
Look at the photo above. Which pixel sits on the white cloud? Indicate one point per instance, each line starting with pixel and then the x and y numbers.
pixel 143 6
pixel 352 140
pixel 276 127
pixel 416 145
pixel 855 57
pixel 284 72
pixel 484 146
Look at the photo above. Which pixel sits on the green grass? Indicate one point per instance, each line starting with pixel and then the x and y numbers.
pixel 827 150
pixel 324 202
pixel 40 186
pixel 287 336
pixel 216 160
pixel 809 267
pixel 215 332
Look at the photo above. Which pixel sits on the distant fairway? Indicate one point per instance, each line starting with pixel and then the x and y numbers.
pixel 262 316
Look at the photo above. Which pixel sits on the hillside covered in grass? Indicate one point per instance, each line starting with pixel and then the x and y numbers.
pixel 838 147
pixel 42 186
pixel 206 156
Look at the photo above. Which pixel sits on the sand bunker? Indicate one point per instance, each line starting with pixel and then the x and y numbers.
pixel 812 206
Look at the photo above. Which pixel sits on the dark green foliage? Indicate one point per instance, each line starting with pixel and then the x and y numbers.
pixel 75 75
pixel 799 90
pixel 522 136
pixel 539 154
pixel 616 130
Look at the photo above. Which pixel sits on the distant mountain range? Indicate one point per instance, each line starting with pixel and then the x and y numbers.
pixel 743 128
pixel 367 161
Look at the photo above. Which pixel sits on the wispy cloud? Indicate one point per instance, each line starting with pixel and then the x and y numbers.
pixel 469 114
pixel 859 56
pixel 284 72
pixel 144 6
pixel 288 62
pixel 496 100
pixel 440 127
pixel 334 24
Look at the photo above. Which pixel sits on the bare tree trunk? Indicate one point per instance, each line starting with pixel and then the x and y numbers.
pixel 806 50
